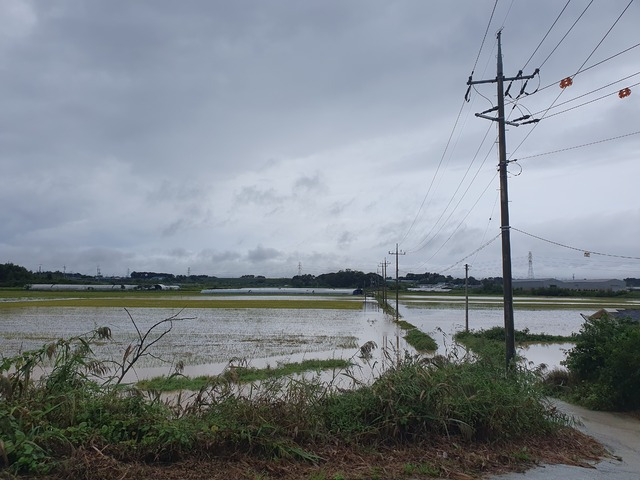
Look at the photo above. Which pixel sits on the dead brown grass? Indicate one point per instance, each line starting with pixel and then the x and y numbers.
pixel 449 457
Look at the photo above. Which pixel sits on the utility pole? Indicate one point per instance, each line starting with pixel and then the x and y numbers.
pixel 397 254
pixel 504 196
pixel 384 281
pixel 466 297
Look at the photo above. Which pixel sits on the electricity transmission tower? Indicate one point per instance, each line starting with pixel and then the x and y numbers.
pixel 530 275
pixel 504 197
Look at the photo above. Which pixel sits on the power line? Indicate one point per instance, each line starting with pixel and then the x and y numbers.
pixel 592 66
pixel 507 14
pixel 446 148
pixel 577 146
pixel 486 229
pixel 484 37
pixel 585 103
pixel 547 34
pixel 463 219
pixel 565 35
pixel 572 76
pixel 605 36
pixel 471 254
pixel 424 242
pixel 433 179
pixel 587 253
pixel 592 91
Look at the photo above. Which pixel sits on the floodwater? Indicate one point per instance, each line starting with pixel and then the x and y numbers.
pixel 442 316
pixel 206 340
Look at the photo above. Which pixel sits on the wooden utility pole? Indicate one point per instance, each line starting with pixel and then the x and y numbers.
pixel 504 197
pixel 384 281
pixel 397 254
pixel 466 297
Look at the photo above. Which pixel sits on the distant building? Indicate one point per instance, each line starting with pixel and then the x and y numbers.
pixel 160 286
pixel 584 285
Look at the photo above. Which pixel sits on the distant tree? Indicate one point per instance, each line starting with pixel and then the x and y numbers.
pixel 153 276
pixel 14 275
pixel 348 279
pixel 301 281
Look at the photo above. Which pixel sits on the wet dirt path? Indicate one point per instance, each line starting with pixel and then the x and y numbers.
pixel 619 433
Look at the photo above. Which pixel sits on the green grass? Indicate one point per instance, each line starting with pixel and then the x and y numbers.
pixel 159 302
pixel 420 341
pixel 417 338
pixel 521 336
pixel 239 375
pixel 490 343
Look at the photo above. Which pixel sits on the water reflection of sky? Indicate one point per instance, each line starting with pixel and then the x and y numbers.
pixel 207 339
pixel 442 322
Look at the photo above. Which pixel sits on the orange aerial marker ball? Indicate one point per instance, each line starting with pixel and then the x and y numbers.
pixel 625 92
pixel 566 82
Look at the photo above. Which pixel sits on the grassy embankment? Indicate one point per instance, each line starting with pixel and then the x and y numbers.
pixel 164 299
pixel 491 342
pixel 240 374
pixel 419 340
pixel 419 418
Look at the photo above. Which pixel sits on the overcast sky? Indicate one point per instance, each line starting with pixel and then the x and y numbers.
pixel 270 137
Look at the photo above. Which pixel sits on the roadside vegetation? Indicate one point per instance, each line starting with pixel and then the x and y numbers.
pixel 603 369
pixel 421 417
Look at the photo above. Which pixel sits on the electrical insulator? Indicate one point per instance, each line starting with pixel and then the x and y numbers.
pixel 566 82
pixel 625 92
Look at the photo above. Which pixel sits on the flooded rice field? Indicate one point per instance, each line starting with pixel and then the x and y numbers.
pixel 441 316
pixel 207 339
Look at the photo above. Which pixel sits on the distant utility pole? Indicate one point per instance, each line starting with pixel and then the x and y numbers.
pixel 466 297
pixel 397 254
pixel 504 197
pixel 384 281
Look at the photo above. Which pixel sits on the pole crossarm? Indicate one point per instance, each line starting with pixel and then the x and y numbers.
pixel 500 79
pixel 480 115
pixel 504 79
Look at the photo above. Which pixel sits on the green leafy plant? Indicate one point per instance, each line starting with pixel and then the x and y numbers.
pixel 606 364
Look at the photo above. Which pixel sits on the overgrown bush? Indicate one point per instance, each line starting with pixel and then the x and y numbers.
pixel 416 399
pixel 606 364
